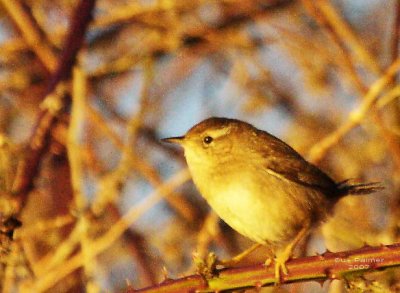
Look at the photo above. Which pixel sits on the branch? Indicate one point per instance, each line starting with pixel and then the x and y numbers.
pixel 347 42
pixel 355 117
pixel 345 33
pixel 28 167
pixel 31 32
pixel 103 242
pixel 328 266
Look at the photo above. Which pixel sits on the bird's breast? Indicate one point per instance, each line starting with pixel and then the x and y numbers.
pixel 260 207
pixel 250 210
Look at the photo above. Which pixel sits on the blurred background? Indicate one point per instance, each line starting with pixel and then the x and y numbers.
pixel 104 204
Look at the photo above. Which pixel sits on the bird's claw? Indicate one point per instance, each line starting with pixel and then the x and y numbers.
pixel 280 266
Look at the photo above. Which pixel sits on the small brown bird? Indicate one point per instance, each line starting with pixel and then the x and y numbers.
pixel 259 185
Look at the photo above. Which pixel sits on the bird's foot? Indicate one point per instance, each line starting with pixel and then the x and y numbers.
pixel 280 266
pixel 206 267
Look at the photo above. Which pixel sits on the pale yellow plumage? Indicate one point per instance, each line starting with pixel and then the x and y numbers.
pixel 259 185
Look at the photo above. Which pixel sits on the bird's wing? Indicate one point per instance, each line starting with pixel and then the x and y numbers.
pixel 285 163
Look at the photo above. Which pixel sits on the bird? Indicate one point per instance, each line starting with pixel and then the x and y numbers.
pixel 260 186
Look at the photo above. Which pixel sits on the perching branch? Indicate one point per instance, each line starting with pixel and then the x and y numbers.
pixel 328 266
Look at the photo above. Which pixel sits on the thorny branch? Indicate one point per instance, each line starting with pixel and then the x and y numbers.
pixel 328 266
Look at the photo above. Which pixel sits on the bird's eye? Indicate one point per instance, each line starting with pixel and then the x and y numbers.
pixel 207 139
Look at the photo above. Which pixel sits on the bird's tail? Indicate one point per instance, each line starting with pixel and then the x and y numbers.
pixel 346 187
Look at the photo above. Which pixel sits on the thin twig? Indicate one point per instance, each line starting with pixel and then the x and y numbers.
pixel 346 34
pixel 31 32
pixel 75 161
pixel 137 245
pixel 175 200
pixel 74 144
pixel 327 17
pixel 42 226
pixel 99 245
pixel 312 8
pixel 355 117
pixel 29 166
pixel 55 258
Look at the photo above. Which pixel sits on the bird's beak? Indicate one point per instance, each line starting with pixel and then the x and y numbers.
pixel 177 139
